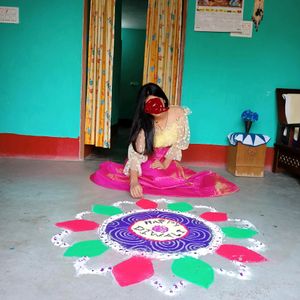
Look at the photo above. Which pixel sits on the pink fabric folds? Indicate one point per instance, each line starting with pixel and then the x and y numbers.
pixel 176 181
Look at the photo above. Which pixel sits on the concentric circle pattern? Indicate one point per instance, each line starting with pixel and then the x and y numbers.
pixel 158 231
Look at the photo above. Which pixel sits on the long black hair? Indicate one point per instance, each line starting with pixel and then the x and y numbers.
pixel 144 121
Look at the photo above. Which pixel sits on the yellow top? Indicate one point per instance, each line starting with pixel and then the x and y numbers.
pixel 166 137
pixel 175 135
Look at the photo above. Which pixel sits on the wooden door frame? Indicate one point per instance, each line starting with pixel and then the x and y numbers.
pixel 181 58
pixel 84 149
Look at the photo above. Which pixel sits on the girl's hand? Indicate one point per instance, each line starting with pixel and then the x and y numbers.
pixel 167 162
pixel 180 170
pixel 161 165
pixel 157 165
pixel 136 190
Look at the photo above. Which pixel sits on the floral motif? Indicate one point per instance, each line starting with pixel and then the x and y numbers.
pixel 249 115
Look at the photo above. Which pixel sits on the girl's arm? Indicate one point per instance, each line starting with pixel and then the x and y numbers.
pixel 136 190
pixel 133 165
pixel 183 140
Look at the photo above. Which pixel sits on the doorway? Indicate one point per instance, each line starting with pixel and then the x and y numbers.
pixel 133 35
pixel 130 33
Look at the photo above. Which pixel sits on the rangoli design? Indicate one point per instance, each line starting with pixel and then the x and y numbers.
pixel 131 240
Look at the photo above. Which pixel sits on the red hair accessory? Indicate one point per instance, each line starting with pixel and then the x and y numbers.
pixel 155 106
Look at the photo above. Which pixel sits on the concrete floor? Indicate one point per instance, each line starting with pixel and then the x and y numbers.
pixel 36 194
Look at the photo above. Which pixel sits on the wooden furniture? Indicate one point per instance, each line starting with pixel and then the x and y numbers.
pixel 244 160
pixel 287 146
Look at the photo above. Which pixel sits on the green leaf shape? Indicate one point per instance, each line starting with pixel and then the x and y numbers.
pixel 180 206
pixel 86 248
pixel 238 233
pixel 194 270
pixel 106 210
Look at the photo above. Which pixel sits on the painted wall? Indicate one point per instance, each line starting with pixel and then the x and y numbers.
pixel 40 69
pixel 224 75
pixel 133 45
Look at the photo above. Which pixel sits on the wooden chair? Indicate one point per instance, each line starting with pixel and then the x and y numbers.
pixel 287 146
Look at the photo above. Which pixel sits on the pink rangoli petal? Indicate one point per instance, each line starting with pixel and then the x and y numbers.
pixel 78 225
pixel 239 253
pixel 133 270
pixel 146 204
pixel 214 216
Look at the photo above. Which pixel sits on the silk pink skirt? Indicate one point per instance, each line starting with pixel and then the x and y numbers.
pixel 176 181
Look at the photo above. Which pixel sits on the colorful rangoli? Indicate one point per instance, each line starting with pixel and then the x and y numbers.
pixel 130 240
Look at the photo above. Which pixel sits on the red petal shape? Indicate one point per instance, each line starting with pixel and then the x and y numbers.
pixel 214 216
pixel 133 270
pixel 146 204
pixel 78 225
pixel 239 253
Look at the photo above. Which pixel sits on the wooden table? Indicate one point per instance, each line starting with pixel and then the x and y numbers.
pixel 244 160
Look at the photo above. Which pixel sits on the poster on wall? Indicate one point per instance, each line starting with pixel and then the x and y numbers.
pixel 246 32
pixel 219 15
pixel 9 14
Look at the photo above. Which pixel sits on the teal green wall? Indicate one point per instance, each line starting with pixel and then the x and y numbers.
pixel 133 45
pixel 40 69
pixel 225 75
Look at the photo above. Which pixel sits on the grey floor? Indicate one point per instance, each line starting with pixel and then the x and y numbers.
pixel 36 194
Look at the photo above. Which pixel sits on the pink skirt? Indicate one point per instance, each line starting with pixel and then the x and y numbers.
pixel 176 181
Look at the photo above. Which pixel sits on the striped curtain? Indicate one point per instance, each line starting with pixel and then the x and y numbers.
pixel 163 46
pixel 99 73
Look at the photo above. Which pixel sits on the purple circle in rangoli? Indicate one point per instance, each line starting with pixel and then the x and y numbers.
pixel 158 231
